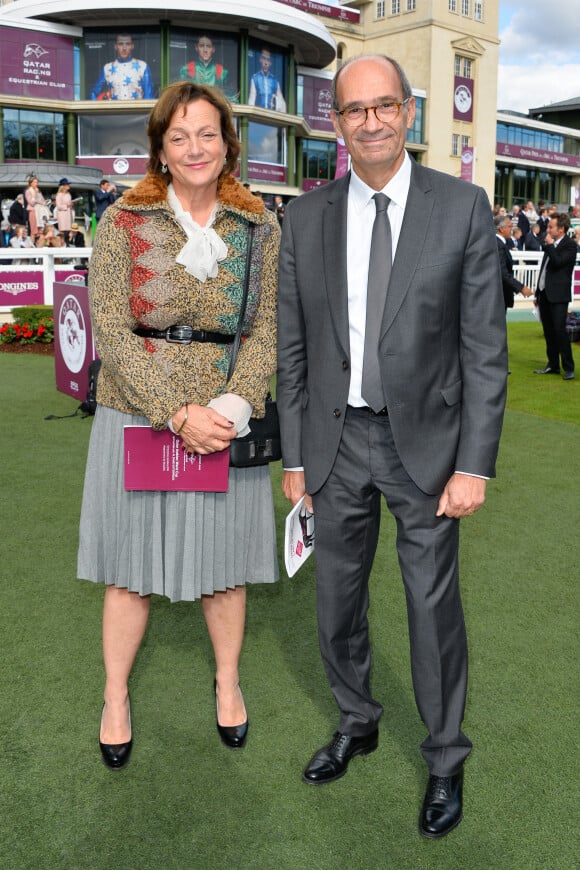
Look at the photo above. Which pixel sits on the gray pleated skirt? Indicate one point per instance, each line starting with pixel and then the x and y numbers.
pixel 178 544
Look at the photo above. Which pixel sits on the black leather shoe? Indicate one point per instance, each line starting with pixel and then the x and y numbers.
pixel 116 755
pixel 568 376
pixel 331 762
pixel 547 371
pixel 442 808
pixel 232 736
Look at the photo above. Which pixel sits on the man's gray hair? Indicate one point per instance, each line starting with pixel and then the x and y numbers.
pixel 501 219
pixel 405 86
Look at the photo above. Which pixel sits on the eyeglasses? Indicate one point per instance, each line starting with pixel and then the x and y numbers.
pixel 356 116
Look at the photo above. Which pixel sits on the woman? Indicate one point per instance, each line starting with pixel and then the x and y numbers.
pixel 21 240
pixel 63 206
pixel 36 207
pixel 171 252
pixel 49 238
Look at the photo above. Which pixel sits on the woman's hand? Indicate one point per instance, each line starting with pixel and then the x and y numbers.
pixel 205 431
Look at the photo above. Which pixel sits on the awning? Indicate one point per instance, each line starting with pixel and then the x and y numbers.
pixel 14 175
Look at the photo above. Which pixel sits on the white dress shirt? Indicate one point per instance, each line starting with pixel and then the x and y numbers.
pixel 360 218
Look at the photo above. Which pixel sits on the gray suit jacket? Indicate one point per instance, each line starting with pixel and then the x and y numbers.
pixel 442 349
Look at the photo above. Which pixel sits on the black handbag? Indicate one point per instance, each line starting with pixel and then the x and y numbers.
pixel 262 444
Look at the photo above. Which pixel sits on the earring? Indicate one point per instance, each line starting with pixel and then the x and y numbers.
pixel 164 168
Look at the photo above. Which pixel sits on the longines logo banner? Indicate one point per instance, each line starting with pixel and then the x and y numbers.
pixel 36 64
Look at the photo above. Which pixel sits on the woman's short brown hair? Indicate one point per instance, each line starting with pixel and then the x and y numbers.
pixel 182 94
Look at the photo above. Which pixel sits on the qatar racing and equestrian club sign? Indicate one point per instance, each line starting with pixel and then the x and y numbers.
pixel 36 64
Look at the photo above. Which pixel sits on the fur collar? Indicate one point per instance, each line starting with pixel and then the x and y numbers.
pixel 152 190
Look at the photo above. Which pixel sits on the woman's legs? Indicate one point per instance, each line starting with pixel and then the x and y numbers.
pixel 124 621
pixel 225 615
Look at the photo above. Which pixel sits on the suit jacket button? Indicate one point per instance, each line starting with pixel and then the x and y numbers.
pixel 345 364
pixel 336 412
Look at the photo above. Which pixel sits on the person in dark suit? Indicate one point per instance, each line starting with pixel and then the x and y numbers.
pixel 425 436
pixel 510 284
pixel 18 216
pixel 520 220
pixel 553 294
pixel 105 195
pixel 74 238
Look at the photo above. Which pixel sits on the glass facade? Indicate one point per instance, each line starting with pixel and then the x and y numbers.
pixel 31 135
pixel 512 134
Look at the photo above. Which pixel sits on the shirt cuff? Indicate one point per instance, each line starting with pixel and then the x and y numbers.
pixel 234 408
pixel 468 474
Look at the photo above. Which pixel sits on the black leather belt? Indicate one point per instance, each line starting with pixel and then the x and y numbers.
pixel 364 409
pixel 184 335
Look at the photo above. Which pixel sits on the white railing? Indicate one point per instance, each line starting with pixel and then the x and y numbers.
pixel 43 262
pixel 527 270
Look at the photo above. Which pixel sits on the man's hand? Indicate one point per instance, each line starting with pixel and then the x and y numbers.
pixel 462 496
pixel 294 488
pixel 526 291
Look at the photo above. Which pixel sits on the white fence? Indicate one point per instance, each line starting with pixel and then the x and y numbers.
pixel 35 274
pixel 45 261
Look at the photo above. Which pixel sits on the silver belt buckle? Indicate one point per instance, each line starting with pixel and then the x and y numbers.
pixel 181 334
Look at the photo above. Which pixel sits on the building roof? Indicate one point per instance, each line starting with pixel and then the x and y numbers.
pixel 572 105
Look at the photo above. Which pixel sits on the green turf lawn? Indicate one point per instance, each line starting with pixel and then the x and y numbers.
pixel 186 802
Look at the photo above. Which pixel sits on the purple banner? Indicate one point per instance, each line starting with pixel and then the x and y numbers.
pixel 116 166
pixel 73 339
pixel 342 164
pixel 317 102
pixel 266 172
pixel 323 9
pixel 36 64
pixel 462 99
pixel 505 150
pixel 21 288
pixel 467 160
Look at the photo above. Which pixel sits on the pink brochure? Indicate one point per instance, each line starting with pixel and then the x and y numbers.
pixel 154 460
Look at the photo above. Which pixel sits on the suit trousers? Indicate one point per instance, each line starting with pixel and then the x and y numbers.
pixel 347 517
pixel 553 316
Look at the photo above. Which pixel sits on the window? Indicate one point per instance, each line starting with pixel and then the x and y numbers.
pixel 30 135
pixel 465 7
pixel 478 10
pixel 462 66
pixel 512 134
pixel 464 142
pixel 119 135
pixel 455 145
pixel 415 134
pixel 380 8
pixel 319 160
pixel 453 5
pixel 395 7
pixel 411 5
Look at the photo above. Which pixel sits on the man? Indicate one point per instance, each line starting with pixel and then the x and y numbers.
pixel 531 240
pixel 204 71
pixel 510 284
pixel 125 78
pixel 520 220
pixel 265 90
pixel 105 194
pixel 18 216
pixel 553 294
pixel 407 402
pixel 74 238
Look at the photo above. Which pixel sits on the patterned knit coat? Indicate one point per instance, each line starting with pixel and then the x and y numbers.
pixel 134 280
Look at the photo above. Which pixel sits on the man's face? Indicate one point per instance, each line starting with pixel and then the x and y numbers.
pixel 555 231
pixel 376 147
pixel 505 229
pixel 265 61
pixel 205 49
pixel 124 47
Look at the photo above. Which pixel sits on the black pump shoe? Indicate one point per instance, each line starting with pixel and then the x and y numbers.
pixel 232 736
pixel 116 755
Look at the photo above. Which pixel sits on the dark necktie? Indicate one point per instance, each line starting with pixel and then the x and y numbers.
pixel 380 263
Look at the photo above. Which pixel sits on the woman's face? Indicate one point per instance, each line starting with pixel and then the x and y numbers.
pixel 34 182
pixel 193 148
